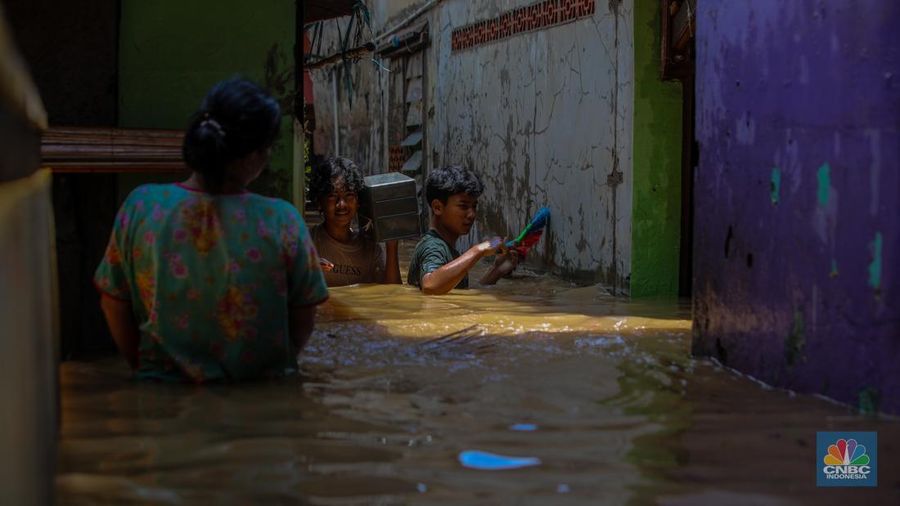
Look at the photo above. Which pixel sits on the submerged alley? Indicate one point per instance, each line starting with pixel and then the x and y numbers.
pixel 449 252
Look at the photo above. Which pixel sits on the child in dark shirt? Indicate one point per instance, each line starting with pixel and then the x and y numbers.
pixel 436 267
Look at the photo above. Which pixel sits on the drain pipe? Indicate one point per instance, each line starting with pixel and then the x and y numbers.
pixel 334 103
pixel 406 21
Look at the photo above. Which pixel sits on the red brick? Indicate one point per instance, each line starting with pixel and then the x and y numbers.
pixel 537 16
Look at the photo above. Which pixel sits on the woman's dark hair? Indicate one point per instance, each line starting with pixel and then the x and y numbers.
pixel 321 181
pixel 236 118
pixel 451 180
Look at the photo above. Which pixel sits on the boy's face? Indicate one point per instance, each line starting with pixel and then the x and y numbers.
pixel 458 214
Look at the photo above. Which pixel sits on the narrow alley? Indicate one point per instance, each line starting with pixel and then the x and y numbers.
pixel 353 252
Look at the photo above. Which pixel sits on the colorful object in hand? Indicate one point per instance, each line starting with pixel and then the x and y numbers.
pixel 531 234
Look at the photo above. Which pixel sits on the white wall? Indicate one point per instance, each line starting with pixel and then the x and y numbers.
pixel 543 116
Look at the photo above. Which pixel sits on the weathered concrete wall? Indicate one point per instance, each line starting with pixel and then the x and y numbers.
pixel 797 216
pixel 359 110
pixel 361 87
pixel 544 116
pixel 656 214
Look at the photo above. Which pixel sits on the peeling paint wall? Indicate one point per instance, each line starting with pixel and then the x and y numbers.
pixel 797 212
pixel 362 87
pixel 544 116
pixel 360 121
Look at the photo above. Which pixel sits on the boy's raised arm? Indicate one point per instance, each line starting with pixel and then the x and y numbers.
pixel 503 265
pixel 444 279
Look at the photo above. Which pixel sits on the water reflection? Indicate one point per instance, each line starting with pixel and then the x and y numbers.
pixel 395 385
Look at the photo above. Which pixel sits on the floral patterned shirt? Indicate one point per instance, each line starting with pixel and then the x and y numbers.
pixel 210 280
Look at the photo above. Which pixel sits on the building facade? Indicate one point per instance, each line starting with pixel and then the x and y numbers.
pixel 539 98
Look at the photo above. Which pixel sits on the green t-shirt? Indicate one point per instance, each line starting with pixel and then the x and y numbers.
pixel 210 280
pixel 431 254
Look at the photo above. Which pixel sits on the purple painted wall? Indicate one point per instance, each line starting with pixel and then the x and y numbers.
pixel 797 255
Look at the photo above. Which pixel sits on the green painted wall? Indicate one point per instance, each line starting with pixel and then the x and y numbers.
pixel 171 52
pixel 656 211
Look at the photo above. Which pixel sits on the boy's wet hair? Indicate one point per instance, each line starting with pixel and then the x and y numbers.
pixel 450 180
pixel 236 118
pixel 321 181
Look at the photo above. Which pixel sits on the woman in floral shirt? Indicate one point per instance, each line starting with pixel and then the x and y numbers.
pixel 203 280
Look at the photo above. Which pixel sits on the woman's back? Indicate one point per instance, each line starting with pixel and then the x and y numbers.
pixel 211 279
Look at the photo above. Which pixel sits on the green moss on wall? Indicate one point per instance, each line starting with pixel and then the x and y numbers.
pixel 656 214
pixel 172 52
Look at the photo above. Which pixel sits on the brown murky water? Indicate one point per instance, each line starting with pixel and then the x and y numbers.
pixel 395 385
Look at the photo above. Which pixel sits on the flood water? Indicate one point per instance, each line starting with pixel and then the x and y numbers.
pixel 395 385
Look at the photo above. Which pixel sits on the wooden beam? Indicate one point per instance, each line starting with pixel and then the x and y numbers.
pixel 84 149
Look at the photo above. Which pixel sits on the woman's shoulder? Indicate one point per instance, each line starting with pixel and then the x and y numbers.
pixel 150 193
pixel 277 213
pixel 151 189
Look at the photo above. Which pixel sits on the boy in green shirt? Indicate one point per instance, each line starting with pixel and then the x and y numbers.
pixel 436 268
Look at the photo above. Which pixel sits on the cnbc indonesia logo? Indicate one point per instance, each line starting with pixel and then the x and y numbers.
pixel 846 460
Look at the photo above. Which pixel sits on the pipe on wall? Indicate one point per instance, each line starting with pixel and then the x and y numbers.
pixel 406 20
pixel 334 103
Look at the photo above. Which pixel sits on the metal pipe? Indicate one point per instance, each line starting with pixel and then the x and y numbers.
pixel 385 101
pixel 334 102
pixel 356 52
pixel 407 20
